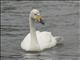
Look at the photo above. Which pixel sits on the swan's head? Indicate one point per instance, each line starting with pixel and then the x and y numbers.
pixel 35 15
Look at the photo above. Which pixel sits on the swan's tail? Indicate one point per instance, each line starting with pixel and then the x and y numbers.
pixel 59 39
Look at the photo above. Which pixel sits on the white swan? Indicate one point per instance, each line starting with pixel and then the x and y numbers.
pixel 36 40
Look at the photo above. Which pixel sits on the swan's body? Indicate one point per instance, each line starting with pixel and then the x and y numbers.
pixel 36 40
pixel 45 40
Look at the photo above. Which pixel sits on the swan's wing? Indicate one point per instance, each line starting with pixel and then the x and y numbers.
pixel 45 39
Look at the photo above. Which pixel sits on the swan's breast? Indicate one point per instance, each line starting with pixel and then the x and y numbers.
pixel 25 44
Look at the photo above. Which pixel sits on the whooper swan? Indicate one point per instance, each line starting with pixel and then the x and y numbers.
pixel 36 40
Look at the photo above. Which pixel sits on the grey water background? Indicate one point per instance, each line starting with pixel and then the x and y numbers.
pixel 61 18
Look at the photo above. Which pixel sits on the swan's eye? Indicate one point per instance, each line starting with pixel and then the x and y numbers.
pixel 35 14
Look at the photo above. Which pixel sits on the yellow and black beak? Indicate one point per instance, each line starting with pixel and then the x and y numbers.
pixel 38 18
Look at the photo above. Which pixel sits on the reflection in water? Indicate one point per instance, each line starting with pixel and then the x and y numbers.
pixel 31 56
pixel 38 56
pixel 49 55
pixel 61 18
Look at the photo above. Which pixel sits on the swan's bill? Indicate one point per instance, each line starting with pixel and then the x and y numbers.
pixel 39 19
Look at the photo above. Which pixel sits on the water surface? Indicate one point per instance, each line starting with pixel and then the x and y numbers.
pixel 61 18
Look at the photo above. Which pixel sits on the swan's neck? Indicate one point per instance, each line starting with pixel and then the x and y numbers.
pixel 34 42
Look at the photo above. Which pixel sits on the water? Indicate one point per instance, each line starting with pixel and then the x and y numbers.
pixel 61 18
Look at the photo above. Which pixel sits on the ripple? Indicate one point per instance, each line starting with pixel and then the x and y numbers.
pixel 11 56
pixel 69 14
pixel 7 8
pixel 13 26
pixel 11 35
pixel 73 55
pixel 12 29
